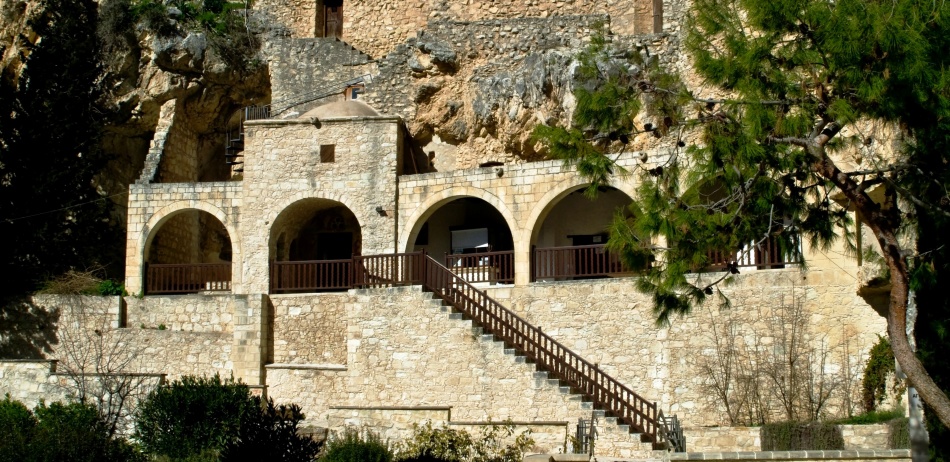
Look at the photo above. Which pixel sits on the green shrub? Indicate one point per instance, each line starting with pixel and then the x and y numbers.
pixel 898 433
pixel 796 436
pixel 874 384
pixel 269 432
pixel 351 446
pixel 16 425
pixel 873 417
pixel 433 444
pixel 191 416
pixel 58 432
pixel 110 287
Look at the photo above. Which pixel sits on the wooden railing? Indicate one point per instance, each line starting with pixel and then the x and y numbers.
pixel 492 267
pixel 764 255
pixel 548 354
pixel 388 270
pixel 309 276
pixel 187 278
pixel 578 261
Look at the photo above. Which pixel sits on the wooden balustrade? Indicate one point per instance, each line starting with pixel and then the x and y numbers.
pixel 492 267
pixel 764 255
pixel 579 261
pixel 187 278
pixel 388 270
pixel 549 355
pixel 310 276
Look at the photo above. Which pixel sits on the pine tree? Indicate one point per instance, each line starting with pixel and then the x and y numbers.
pixel 809 83
pixel 51 215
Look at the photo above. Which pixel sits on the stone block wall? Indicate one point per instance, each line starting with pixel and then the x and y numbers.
pixel 179 162
pixel 747 439
pixel 301 66
pixel 376 27
pixel 283 167
pixel 403 350
pixel 179 240
pixel 608 322
pixel 30 381
pixel 310 329
pixel 151 206
pixel 190 313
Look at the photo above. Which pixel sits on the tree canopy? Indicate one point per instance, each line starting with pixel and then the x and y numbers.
pixel 801 112
pixel 51 215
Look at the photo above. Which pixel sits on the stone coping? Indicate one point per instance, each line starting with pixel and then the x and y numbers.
pixel 315 120
pixel 309 367
pixel 392 408
pixel 53 361
pixel 538 423
pixel 854 454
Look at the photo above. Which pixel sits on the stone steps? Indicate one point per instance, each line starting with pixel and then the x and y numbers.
pixel 620 437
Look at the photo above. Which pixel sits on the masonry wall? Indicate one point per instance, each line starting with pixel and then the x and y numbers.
pixel 609 323
pixel 310 329
pixel 151 206
pixel 376 27
pixel 404 351
pixel 283 166
pixel 300 66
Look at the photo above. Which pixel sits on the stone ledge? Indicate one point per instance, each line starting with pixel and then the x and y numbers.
pixel 392 408
pixel 309 367
pixel 859 454
pixel 308 121
pixel 540 423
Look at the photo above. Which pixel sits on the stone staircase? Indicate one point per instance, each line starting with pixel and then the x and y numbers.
pixel 612 436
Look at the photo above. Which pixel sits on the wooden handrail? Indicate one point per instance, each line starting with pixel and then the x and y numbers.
pixel 550 355
pixel 187 278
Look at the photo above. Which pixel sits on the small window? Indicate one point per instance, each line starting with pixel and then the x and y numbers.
pixel 354 91
pixel 327 153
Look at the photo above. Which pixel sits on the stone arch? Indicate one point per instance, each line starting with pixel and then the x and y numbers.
pixel 159 218
pixel 554 195
pixel 434 202
pixel 299 212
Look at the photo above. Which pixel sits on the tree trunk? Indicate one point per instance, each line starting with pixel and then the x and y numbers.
pixel 883 224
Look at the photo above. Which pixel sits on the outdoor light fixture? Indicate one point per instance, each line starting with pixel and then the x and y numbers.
pixel 499 171
pixel 380 210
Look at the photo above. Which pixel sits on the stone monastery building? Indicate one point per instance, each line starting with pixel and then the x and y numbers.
pixel 389 178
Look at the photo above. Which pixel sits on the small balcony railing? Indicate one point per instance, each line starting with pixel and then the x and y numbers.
pixel 764 255
pixel 490 267
pixel 187 278
pixel 311 275
pixel 576 262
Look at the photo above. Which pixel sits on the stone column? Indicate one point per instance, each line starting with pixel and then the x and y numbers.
pixel 251 345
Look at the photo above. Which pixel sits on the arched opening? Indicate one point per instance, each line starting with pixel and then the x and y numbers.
pixel 312 244
pixel 188 252
pixel 570 239
pixel 471 237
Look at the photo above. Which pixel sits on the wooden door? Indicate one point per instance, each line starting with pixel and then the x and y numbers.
pixel 333 14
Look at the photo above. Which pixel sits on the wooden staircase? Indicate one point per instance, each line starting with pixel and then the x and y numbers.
pixel 559 363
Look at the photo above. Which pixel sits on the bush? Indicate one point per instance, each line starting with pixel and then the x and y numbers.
pixel 898 434
pixel 16 425
pixel 191 416
pixel 73 432
pixel 874 417
pixel 351 446
pixel 796 436
pixel 269 432
pixel 432 444
pixel 880 364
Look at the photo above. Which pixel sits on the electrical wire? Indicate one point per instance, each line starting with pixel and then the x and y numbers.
pixel 11 220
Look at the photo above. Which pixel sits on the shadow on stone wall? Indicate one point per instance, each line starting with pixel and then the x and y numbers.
pixel 27 330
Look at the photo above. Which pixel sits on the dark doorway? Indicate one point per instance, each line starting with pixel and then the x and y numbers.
pixel 334 246
pixel 333 18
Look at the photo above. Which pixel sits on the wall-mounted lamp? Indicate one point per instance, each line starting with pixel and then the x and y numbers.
pixel 380 210
pixel 499 171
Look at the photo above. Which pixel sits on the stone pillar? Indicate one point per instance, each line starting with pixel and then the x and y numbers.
pixel 523 261
pixel 251 345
